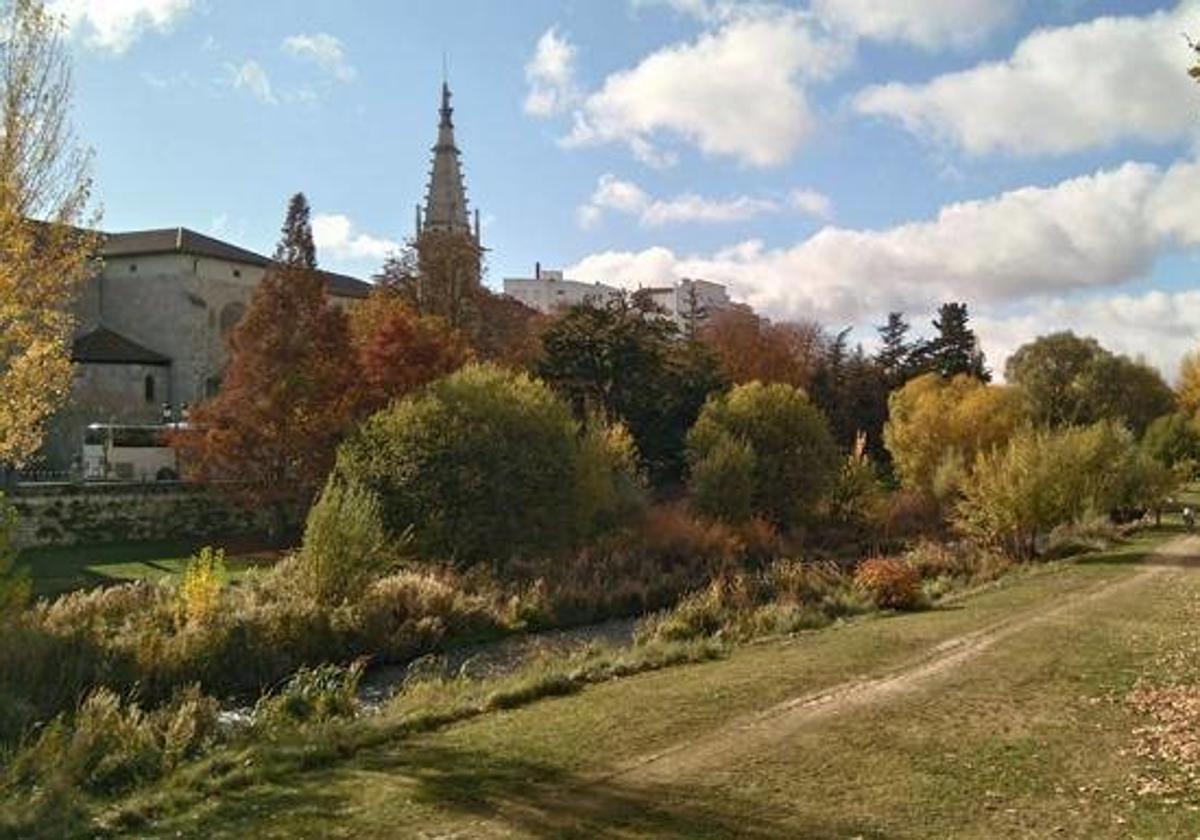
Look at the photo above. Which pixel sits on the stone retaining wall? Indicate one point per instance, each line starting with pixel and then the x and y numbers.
pixel 69 514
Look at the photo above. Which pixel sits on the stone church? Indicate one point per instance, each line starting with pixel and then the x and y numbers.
pixel 153 325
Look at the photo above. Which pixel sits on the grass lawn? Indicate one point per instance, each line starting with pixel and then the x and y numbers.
pixel 1000 714
pixel 59 569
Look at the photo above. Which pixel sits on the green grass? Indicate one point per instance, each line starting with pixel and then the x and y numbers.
pixel 1030 737
pixel 59 569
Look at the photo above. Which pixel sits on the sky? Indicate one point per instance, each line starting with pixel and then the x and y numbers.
pixel 828 159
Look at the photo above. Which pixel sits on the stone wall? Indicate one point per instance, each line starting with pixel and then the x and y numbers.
pixel 69 514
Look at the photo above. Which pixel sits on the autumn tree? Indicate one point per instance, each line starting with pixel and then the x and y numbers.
pixel 44 256
pixel 750 348
pixel 285 399
pixel 399 350
pixel 1187 389
pixel 936 427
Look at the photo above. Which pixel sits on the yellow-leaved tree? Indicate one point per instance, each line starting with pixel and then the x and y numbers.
pixel 1187 390
pixel 44 254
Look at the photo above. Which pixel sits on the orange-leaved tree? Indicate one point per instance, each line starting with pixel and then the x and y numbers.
pixel 399 350
pixel 286 398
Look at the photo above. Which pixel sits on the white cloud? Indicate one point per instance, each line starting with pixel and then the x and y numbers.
pixel 115 24
pixel 1158 326
pixel 812 203
pixel 736 91
pixel 929 24
pixel 335 235
pixel 551 75
pixel 1062 90
pixel 616 195
pixel 323 49
pixel 252 78
pixel 1093 233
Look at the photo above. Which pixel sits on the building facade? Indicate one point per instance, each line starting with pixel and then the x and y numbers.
pixel 549 291
pixel 152 329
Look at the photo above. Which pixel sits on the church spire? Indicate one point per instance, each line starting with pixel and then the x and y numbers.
pixel 446 196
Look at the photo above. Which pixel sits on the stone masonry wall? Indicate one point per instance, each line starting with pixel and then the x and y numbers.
pixel 66 514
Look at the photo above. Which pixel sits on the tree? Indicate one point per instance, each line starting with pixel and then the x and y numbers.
pixel 894 356
pixel 954 349
pixel 779 437
pixel 936 427
pixel 1173 439
pixel 485 465
pixel 398 350
pixel 749 348
pixel 285 400
pixel 1188 389
pixel 44 256
pixel 627 364
pixel 1068 380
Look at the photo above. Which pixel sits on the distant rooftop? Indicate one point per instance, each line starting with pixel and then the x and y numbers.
pixel 180 240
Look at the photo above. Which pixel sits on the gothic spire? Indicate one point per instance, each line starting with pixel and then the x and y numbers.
pixel 446 197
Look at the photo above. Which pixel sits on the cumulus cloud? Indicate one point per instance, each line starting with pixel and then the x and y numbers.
pixel 114 25
pixel 250 77
pixel 929 24
pixel 334 234
pixel 1157 326
pixel 613 194
pixel 738 90
pixel 551 75
pixel 1062 90
pixel 324 50
pixel 1090 233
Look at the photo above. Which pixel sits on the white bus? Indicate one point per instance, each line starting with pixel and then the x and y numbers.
pixel 114 452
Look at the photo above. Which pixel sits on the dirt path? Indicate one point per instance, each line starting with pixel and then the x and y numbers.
pixel 761 730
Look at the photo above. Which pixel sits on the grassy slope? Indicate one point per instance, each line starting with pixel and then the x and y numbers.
pixel 1015 741
pixel 59 569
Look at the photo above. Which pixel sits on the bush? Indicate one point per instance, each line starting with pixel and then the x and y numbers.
pixel 1172 439
pixel 344 543
pixel 484 465
pixel 1044 479
pixel 200 589
pixel 892 584
pixel 794 455
pixel 311 695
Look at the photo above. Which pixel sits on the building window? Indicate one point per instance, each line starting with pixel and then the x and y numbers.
pixel 148 385
pixel 237 272
pixel 132 268
pixel 211 386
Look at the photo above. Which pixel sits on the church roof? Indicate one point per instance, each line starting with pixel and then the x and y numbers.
pixel 180 240
pixel 103 346
pixel 446 196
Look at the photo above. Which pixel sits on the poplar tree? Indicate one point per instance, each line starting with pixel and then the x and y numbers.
pixel 45 188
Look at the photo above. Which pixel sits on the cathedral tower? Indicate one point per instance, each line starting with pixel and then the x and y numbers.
pixel 446 196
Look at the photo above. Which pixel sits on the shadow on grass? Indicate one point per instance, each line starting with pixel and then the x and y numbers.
pixel 475 794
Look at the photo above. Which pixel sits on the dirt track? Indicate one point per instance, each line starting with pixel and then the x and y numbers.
pixel 753 733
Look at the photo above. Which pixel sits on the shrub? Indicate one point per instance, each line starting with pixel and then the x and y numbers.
pixel 795 457
pixel 1172 439
pixel 611 488
pixel 857 496
pixel 892 584
pixel 344 543
pixel 484 465
pixel 311 695
pixel 200 589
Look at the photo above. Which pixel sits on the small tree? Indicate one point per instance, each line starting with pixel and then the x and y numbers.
pixel 285 401
pixel 954 349
pixel 398 350
pixel 14 582
pixel 794 455
pixel 44 256
pixel 1173 439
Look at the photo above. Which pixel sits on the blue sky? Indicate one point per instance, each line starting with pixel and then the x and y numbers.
pixel 828 159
